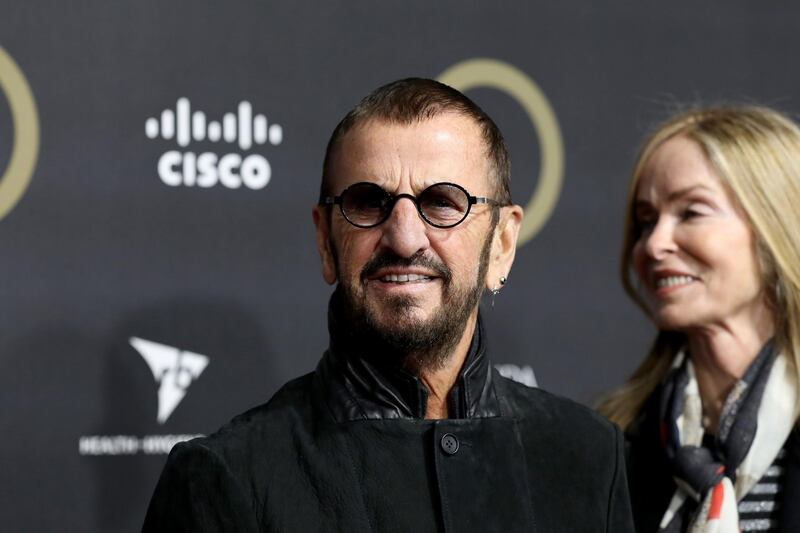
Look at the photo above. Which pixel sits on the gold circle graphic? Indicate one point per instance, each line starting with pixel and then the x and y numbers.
pixel 495 74
pixel 17 176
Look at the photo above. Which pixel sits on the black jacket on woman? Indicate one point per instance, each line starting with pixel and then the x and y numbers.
pixel 652 486
pixel 346 449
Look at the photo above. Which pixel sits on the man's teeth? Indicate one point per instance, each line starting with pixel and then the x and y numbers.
pixel 402 278
pixel 672 281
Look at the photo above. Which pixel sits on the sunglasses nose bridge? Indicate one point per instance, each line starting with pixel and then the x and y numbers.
pixel 397 197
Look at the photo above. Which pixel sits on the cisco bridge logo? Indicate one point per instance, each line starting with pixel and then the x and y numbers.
pixel 207 169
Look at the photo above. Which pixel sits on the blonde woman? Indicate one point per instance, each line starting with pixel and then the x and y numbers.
pixel 712 254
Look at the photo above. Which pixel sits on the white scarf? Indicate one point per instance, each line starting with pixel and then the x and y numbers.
pixel 718 511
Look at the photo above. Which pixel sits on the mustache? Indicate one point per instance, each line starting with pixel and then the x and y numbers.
pixel 388 259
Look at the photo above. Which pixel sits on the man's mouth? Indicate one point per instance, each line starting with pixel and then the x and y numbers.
pixel 418 270
pixel 404 278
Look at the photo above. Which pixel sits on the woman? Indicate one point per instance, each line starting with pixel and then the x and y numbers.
pixel 712 253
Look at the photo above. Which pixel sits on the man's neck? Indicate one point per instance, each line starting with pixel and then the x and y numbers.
pixel 440 381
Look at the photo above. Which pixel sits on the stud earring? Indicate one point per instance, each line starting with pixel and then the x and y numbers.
pixel 496 289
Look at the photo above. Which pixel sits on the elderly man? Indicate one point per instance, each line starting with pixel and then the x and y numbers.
pixel 405 426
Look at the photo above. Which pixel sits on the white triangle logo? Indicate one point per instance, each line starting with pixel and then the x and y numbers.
pixel 174 370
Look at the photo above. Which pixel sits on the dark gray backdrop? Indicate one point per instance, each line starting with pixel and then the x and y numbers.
pixel 100 250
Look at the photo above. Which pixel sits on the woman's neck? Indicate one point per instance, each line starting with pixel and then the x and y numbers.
pixel 721 356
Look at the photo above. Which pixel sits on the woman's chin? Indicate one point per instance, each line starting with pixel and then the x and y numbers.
pixel 670 320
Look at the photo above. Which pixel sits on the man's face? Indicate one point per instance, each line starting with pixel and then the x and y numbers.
pixel 405 275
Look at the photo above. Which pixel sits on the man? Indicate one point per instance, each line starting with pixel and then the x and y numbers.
pixel 404 425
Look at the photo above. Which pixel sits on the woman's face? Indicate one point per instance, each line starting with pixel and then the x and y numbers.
pixel 695 254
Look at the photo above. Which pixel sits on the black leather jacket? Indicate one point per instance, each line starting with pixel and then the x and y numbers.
pixel 345 448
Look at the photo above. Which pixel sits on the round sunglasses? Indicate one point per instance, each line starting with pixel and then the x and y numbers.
pixel 442 205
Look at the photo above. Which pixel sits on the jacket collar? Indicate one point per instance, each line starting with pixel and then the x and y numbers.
pixel 357 387
pixel 789 514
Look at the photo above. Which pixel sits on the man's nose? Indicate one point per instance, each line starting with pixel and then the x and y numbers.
pixel 404 232
pixel 661 240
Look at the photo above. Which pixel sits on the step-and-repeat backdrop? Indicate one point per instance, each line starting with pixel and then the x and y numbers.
pixel 159 162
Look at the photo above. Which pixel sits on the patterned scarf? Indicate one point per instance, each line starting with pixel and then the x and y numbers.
pixel 755 421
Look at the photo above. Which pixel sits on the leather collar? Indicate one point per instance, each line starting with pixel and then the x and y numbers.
pixel 357 388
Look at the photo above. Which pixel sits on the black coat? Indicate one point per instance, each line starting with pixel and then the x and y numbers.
pixel 652 486
pixel 346 449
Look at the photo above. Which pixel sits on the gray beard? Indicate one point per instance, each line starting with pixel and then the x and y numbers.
pixel 417 346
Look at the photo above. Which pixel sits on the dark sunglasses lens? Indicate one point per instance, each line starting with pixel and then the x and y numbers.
pixel 365 204
pixel 444 205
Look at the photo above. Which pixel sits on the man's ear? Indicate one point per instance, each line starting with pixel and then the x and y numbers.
pixel 322 221
pixel 504 245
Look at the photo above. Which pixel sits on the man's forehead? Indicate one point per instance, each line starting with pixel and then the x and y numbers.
pixel 450 139
pixel 467 126
pixel 443 133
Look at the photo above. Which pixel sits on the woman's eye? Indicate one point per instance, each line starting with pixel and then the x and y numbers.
pixel 690 213
pixel 644 225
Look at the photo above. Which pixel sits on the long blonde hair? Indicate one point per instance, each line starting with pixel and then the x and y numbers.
pixel 755 151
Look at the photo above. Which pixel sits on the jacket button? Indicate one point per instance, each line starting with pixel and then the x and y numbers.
pixel 449 443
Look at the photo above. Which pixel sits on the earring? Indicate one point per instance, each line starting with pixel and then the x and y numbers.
pixel 496 289
pixel 779 292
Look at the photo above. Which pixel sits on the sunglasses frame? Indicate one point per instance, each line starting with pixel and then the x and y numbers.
pixel 393 198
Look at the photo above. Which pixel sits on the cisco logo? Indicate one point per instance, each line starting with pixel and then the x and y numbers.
pixel 207 169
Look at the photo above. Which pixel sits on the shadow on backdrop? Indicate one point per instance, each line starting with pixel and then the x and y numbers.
pixel 223 335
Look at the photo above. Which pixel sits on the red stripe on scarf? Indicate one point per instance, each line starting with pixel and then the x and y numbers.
pixel 716 501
